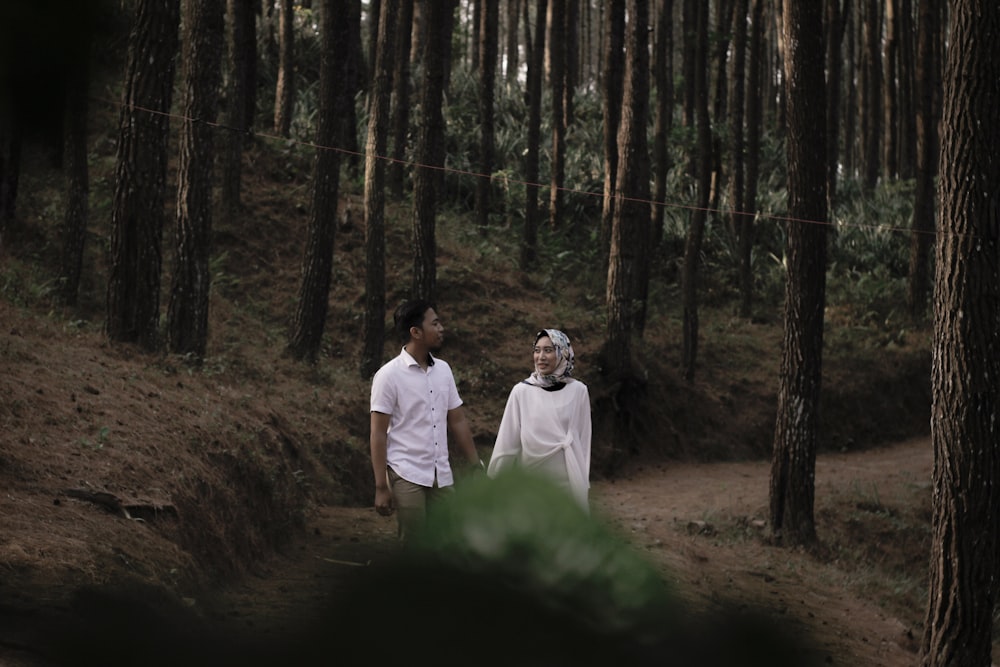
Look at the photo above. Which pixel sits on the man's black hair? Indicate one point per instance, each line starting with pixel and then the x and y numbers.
pixel 410 314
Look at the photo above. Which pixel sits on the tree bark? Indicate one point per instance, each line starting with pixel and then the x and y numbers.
pixel 487 82
pixel 630 228
pixel 793 465
pixel 965 428
pixel 241 65
pixel 284 95
pixel 314 293
pixel 187 309
pixel 513 56
pixel 753 124
pixel 870 107
pixel 922 238
pixel 557 79
pixel 614 75
pixel 703 162
pixel 890 87
pixel 401 98
pixel 375 149
pixel 663 72
pixel 737 109
pixel 430 151
pixel 137 214
pixel 529 241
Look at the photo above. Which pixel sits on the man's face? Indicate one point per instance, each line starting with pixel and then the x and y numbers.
pixel 431 330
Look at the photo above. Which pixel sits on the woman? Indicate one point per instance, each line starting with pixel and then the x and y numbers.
pixel 546 424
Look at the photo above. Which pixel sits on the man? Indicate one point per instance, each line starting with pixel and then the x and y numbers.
pixel 414 403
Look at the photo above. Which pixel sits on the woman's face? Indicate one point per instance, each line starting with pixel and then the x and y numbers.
pixel 545 356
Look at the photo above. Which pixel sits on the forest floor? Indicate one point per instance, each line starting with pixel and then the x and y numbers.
pixel 152 499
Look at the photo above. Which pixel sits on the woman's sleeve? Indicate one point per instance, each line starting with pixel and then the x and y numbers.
pixel 507 447
pixel 584 428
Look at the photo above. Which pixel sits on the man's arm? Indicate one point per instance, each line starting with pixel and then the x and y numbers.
pixel 461 431
pixel 377 444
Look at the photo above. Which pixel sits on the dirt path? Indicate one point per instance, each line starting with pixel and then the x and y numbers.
pixel 700 522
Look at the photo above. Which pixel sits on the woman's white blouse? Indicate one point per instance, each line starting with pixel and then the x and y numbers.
pixel 539 425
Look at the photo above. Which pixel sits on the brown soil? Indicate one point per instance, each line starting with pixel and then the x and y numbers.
pixel 238 491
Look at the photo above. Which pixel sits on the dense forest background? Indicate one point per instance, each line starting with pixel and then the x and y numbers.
pixel 649 176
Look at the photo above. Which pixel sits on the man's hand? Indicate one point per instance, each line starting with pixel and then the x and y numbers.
pixel 383 501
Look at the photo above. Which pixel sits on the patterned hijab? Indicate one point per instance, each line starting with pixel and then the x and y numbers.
pixel 564 367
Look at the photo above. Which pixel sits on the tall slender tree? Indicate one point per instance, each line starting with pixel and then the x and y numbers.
pixel 793 463
pixel 557 79
pixel 430 149
pixel 309 320
pixel 835 23
pixel 187 309
pixel 753 115
pixel 241 56
pixel 663 73
pixel 890 91
pixel 965 373
pixel 375 150
pixel 137 213
pixel 611 87
pixel 630 228
pixel 401 98
pixel 703 163
pixel 488 37
pixel 870 92
pixel 284 94
pixel 922 238
pixel 737 110
pixel 511 51
pixel 529 240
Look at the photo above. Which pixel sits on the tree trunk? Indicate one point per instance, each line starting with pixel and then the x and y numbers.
pixel 628 265
pixel 571 66
pixel 557 78
pixel 871 94
pixel 851 108
pixel 317 264
pixel 77 182
pixel 530 240
pixel 354 78
pixel 793 465
pixel 753 103
pixel 835 16
pixel 721 39
pixel 907 92
pixel 137 214
pixel 430 151
pixel 890 89
pixel 922 238
pixel 284 94
pixel 378 132
pixel 401 98
pixel 737 107
pixel 965 428
pixel 663 71
pixel 187 309
pixel 703 168
pixel 487 83
pixel 513 57
pixel 614 75
pixel 242 55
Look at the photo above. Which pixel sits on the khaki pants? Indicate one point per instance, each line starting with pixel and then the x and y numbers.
pixel 411 503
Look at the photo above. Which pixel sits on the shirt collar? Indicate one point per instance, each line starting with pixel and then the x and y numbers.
pixel 410 361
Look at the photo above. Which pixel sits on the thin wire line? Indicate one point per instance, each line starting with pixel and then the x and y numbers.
pixel 507 179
